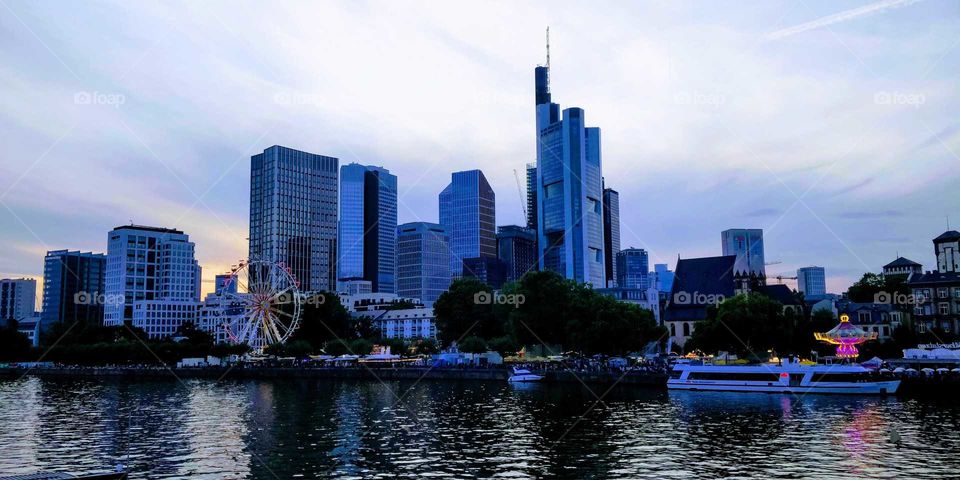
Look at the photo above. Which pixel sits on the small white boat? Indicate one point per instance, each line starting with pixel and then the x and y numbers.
pixel 786 378
pixel 523 375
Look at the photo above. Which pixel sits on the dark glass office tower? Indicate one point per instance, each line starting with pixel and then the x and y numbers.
pixel 423 261
pixel 611 234
pixel 633 269
pixel 293 213
pixel 517 248
pixel 368 226
pixel 468 214
pixel 72 281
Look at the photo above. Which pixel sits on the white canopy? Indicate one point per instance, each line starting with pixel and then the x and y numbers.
pixel 944 353
pixel 877 361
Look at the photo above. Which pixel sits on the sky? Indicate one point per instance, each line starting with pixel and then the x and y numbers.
pixel 831 125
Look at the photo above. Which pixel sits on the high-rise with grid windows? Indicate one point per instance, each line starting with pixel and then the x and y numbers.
pixel 293 214
pixel 152 279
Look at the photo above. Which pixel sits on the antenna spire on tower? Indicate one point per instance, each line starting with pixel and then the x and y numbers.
pixel 548 47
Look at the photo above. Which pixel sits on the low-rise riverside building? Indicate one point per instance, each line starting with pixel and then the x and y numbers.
pixel 881 318
pixel 648 299
pixel 936 294
pixel 392 314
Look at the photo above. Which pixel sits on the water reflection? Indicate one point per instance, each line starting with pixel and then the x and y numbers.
pixel 311 429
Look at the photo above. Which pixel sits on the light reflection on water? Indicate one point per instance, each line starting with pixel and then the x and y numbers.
pixel 318 429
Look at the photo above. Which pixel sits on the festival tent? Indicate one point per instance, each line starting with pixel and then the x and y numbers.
pixel 874 362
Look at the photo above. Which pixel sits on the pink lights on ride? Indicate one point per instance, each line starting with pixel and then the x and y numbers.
pixel 846 336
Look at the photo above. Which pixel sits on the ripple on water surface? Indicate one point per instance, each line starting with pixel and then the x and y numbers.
pixel 318 429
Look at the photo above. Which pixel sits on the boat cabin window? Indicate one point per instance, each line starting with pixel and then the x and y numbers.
pixel 750 377
pixel 839 377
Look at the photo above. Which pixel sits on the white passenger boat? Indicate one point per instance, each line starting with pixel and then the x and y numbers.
pixel 786 378
pixel 523 375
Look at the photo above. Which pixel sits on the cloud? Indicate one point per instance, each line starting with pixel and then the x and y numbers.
pixel 703 129
pixel 843 16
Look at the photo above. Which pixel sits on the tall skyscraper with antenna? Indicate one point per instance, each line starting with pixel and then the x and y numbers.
pixel 569 188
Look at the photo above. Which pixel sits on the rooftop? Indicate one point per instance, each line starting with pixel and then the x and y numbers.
pixel 948 236
pixel 149 229
pixel 902 262
pixel 934 277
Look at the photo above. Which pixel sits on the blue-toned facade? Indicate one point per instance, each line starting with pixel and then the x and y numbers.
pixel 368 226
pixel 633 269
pixel 293 214
pixel 468 214
pixel 423 261
pixel 747 245
pixel 812 281
pixel 69 277
pixel 489 270
pixel 532 196
pixel 569 190
pixel 517 248
pixel 663 277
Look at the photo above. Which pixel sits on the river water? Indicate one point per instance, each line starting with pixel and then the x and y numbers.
pixel 253 429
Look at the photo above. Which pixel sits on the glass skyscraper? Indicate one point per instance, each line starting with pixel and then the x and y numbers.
pixel 517 248
pixel 812 281
pixel 611 234
pixel 633 269
pixel 664 277
pixel 532 196
pixel 69 277
pixel 368 226
pixel 569 190
pixel 468 214
pixel 747 245
pixel 423 261
pixel 293 214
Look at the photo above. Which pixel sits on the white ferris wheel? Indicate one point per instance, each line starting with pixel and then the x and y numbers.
pixel 264 307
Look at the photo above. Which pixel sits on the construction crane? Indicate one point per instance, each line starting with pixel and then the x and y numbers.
pixel 781 278
pixel 523 201
pixel 775 262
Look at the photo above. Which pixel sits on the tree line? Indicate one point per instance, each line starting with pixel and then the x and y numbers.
pixel 542 309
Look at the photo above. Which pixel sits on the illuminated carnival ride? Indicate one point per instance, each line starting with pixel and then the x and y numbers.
pixel 846 336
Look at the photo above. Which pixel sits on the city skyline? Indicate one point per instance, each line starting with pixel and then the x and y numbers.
pixel 191 174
